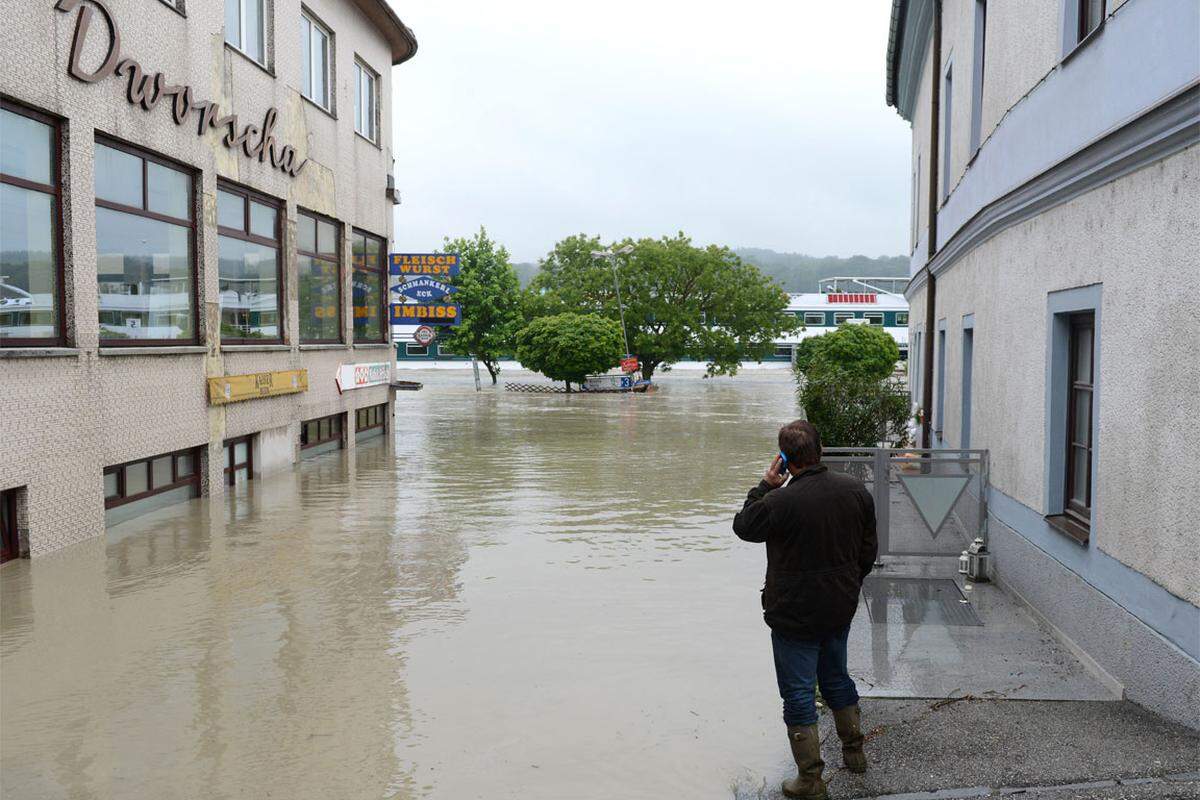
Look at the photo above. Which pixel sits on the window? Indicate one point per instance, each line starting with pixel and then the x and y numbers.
pixel 916 198
pixel 977 84
pixel 416 350
pixel 783 351
pixel 947 119
pixel 874 317
pixel 10 542
pixel 31 310
pixel 365 101
pixel 246 29
pixel 1080 425
pixel 369 286
pixel 239 460
pixel 814 317
pixel 842 316
pixel 902 318
pixel 968 356
pixel 321 431
pixel 1091 14
pixel 146 477
pixel 178 5
pixel 371 417
pixel 145 265
pixel 940 401
pixel 316 48
pixel 249 276
pixel 318 261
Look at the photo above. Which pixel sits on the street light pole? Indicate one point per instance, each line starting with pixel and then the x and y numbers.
pixel 611 256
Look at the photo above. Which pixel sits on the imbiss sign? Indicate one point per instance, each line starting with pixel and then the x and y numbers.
pixel 256 142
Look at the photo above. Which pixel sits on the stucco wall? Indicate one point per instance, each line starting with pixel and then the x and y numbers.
pixel 1022 46
pixel 64 419
pixel 1138 238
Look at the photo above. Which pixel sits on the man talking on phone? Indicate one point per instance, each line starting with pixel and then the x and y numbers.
pixel 820 535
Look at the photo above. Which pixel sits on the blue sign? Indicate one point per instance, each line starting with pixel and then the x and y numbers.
pixel 424 289
pixel 426 314
pixel 434 265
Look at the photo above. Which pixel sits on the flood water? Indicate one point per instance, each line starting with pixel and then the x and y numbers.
pixel 523 596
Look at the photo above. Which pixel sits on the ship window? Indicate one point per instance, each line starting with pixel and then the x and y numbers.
pixel 902 318
pixel 416 350
pixel 874 317
pixel 842 316
pixel 814 318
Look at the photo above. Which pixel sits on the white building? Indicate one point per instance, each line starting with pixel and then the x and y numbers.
pixel 1055 282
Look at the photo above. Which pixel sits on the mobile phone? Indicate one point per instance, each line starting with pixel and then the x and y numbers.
pixel 782 464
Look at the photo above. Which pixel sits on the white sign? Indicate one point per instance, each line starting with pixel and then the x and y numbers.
pixel 358 376
pixel 424 335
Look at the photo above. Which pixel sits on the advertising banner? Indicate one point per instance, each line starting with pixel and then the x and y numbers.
pixel 424 289
pixel 235 388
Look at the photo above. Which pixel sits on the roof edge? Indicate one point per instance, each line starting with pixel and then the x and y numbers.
pixel 401 38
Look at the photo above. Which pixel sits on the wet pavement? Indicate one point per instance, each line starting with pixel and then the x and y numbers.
pixel 520 596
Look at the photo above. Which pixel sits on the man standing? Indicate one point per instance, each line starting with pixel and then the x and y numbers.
pixel 820 537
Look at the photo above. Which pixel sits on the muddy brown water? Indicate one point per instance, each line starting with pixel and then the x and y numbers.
pixel 520 596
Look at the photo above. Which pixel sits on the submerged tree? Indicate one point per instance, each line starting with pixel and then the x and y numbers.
pixel 490 295
pixel 569 347
pixel 844 384
pixel 681 301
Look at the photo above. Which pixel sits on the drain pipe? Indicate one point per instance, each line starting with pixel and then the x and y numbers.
pixel 935 102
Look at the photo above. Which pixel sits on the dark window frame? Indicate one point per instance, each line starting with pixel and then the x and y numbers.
pixel 340 434
pixel 1080 515
pixel 10 534
pixel 899 322
pixel 384 320
pixel 232 465
pixel 55 191
pixel 377 417
pixel 248 196
pixel 176 481
pixel 193 174
pixel 337 262
pixel 820 314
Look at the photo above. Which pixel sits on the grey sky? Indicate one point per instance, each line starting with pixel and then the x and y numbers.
pixel 757 123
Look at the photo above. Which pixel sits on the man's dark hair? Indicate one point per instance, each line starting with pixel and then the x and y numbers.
pixel 801 443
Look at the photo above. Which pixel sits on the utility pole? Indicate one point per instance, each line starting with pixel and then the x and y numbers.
pixel 611 257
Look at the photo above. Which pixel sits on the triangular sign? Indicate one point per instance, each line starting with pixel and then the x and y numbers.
pixel 934 496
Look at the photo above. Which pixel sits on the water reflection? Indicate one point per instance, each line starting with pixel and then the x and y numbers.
pixel 515 589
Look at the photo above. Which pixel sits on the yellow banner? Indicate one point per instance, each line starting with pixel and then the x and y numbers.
pixel 234 388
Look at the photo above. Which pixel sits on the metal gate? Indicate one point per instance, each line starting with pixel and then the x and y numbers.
pixel 928 503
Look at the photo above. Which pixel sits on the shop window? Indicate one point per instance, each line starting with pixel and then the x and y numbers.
pixel 370 417
pixel 370 287
pixel 321 431
pixel 239 460
pixel 246 28
pixel 145 233
pixel 249 269
pixel 144 478
pixel 318 262
pixel 316 50
pixel 814 318
pixel 366 101
pixel 10 540
pixel 31 279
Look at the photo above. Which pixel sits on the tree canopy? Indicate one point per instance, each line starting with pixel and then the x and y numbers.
pixel 569 347
pixel 681 301
pixel 490 295
pixel 855 350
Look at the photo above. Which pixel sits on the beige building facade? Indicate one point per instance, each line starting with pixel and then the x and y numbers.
pixel 197 211
pixel 1054 280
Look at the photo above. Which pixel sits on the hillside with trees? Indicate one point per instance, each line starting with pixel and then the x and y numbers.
pixel 795 272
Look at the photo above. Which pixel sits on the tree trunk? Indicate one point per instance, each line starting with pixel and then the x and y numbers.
pixel 493 369
pixel 648 368
pixel 568 387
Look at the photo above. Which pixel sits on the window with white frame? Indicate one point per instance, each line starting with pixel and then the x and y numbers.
pixel 316 54
pixel 365 100
pixel 246 27
pixel 814 318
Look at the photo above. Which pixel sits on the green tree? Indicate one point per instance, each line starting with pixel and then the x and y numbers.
pixel 490 295
pixel 568 347
pixel 681 301
pixel 845 386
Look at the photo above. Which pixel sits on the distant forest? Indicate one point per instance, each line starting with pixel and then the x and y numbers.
pixel 795 272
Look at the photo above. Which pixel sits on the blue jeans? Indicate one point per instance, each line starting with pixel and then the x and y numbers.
pixel 803 664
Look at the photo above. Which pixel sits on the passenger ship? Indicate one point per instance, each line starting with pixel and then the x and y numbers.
pixel 859 301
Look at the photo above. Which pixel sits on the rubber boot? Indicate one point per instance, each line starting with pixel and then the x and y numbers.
pixel 849 729
pixel 806 750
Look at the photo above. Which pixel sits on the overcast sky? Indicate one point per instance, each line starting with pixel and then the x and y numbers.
pixel 756 123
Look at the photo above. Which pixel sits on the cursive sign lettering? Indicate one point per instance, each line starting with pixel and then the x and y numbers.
pixel 255 141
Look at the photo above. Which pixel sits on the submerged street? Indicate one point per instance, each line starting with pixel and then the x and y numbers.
pixel 526 596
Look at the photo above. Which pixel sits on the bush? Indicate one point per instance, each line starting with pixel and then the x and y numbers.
pixel 569 347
